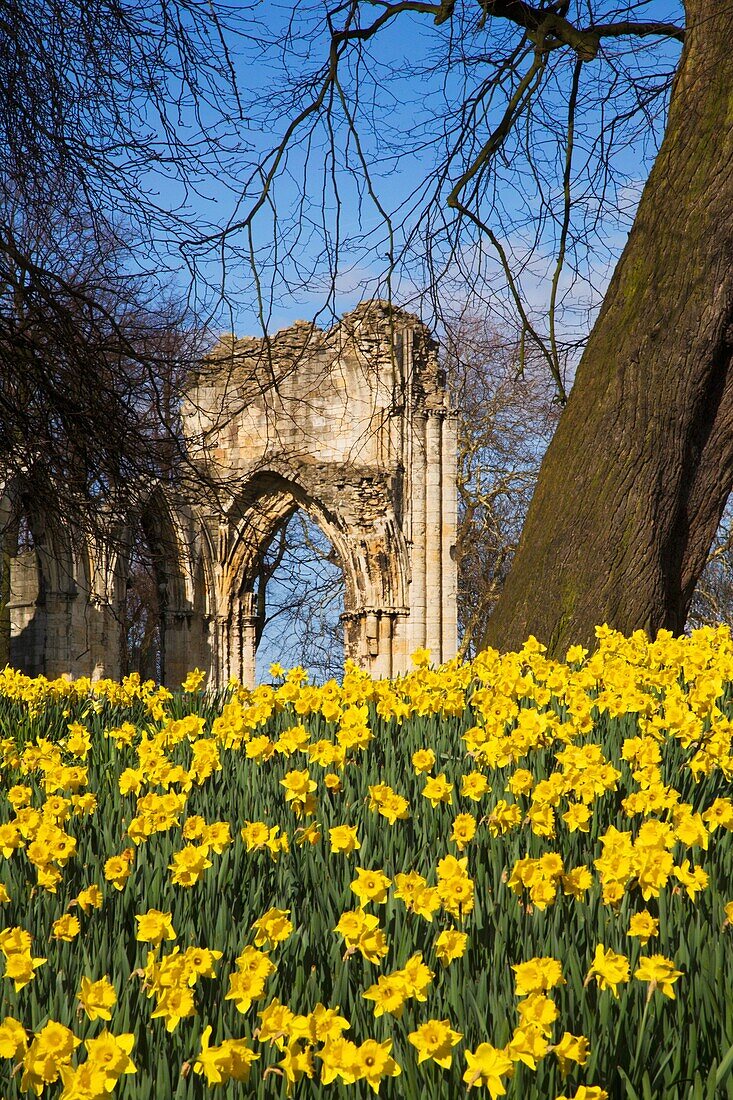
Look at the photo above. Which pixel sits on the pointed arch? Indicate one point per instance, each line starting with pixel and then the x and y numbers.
pixel 374 560
pixel 38 588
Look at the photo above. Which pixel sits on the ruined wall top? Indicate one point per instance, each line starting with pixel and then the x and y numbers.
pixel 335 395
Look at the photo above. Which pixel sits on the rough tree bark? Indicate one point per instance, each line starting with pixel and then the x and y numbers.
pixel 636 477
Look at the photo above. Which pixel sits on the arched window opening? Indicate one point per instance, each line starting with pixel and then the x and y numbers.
pixel 25 541
pixel 141 633
pixel 22 624
pixel 299 600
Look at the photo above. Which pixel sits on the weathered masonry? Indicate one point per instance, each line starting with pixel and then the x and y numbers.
pixel 352 425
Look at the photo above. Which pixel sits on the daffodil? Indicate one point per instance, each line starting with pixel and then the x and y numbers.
pixel 487 1065
pixel 97 998
pixel 659 972
pixel 435 1039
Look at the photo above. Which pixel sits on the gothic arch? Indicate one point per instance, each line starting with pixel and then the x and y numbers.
pixel 373 565
pixel 264 504
pixel 39 587
pixel 184 580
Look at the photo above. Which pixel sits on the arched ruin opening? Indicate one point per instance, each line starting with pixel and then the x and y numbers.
pixel 355 422
pixel 22 629
pixel 260 517
pixel 299 597
pixel 162 593
pixel 141 623
pixel 37 589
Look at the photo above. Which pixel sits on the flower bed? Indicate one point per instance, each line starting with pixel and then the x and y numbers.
pixel 511 875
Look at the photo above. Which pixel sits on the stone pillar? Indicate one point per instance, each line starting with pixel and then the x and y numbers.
pixel 418 593
pixel 222 651
pixel 400 641
pixel 368 640
pixel 384 664
pixel 179 657
pixel 221 626
pixel 211 650
pixel 371 633
pixel 248 640
pixel 103 639
pixel 99 650
pixel 234 664
pixel 57 661
pixel 449 585
pixel 351 621
pixel 433 538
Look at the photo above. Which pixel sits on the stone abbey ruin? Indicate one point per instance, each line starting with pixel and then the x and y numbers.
pixel 352 425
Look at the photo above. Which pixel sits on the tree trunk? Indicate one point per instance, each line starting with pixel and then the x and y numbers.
pixel 635 480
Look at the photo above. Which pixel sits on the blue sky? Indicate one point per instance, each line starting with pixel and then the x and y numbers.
pixel 401 97
pixel 403 107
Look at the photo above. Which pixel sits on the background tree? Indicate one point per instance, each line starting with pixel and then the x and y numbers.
pixel 111 115
pixel 506 415
pixel 92 364
pixel 506 418
pixel 712 601
pixel 647 429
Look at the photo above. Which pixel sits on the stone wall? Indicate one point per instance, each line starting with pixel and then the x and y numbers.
pixel 353 425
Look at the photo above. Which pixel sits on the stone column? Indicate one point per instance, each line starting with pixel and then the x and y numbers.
pixel 351 621
pixel 418 594
pixel 104 640
pixel 211 649
pixel 99 651
pixel 26 613
pixel 400 642
pixel 222 651
pixel 57 650
pixel 234 634
pixel 384 664
pixel 368 637
pixel 219 533
pixel 248 644
pixel 179 658
pixel 433 538
pixel 449 448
